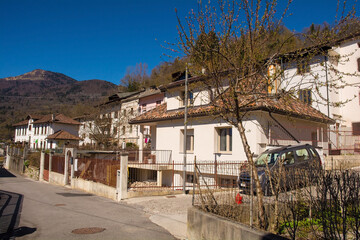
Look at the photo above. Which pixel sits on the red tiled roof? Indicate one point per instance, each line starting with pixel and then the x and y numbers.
pixel 58 118
pixel 22 123
pixel 63 135
pixel 289 106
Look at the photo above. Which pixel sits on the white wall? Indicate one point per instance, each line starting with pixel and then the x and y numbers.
pixel 257 126
pixel 347 54
pixel 350 112
pixel 205 144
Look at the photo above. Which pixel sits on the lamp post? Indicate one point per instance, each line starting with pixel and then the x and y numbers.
pixel 185 127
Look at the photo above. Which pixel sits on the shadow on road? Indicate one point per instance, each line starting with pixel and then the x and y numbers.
pixel 5 173
pixel 10 211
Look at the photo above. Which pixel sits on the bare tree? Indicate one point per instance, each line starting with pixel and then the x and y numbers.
pixel 136 77
pixel 237 46
pixel 100 130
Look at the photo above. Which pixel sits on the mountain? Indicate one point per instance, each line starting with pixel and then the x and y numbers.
pixel 42 75
pixel 43 92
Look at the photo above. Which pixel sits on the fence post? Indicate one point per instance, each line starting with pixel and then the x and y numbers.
pixel 66 166
pixel 23 159
pixel 50 163
pixel 8 157
pixel 42 163
pixel 141 144
pixel 216 175
pixel 122 188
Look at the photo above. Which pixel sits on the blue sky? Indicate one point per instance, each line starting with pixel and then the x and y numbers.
pixel 99 39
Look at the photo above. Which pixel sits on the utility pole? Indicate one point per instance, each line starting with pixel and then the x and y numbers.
pixel 185 127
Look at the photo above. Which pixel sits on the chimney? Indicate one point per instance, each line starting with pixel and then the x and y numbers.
pixel 52 117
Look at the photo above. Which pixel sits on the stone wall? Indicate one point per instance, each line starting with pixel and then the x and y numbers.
pixel 32 172
pixel 342 162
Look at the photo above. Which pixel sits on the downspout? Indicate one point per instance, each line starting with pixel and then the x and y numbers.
pixel 327 85
pixel 292 136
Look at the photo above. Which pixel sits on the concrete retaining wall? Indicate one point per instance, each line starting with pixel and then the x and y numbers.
pixel 342 162
pixel 202 225
pixel 93 187
pixel 56 178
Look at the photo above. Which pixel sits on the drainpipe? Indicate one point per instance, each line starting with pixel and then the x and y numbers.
pixel 292 136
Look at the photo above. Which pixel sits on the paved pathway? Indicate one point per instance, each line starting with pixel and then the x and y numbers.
pixel 37 210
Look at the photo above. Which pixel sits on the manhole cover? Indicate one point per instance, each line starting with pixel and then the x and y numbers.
pixel 90 230
pixel 60 205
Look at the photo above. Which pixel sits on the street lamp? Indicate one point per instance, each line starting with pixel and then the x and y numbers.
pixel 185 127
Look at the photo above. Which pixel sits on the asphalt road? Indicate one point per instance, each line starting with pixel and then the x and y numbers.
pixel 37 210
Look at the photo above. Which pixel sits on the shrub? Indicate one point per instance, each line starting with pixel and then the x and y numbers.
pixel 34 159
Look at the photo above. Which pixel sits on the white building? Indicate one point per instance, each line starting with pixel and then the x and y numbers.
pixel 119 109
pixel 336 73
pixel 210 138
pixel 47 132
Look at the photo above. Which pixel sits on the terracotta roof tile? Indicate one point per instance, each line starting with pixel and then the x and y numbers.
pixel 63 135
pixel 290 106
pixel 58 118
pixel 22 123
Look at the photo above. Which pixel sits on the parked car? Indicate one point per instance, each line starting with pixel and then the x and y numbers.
pixel 285 164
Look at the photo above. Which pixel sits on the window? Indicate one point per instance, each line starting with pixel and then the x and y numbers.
pixel 144 107
pixel 190 98
pixel 189 178
pixel 131 111
pixel 303 67
pixel 273 79
pixel 288 158
pixel 124 112
pixel 130 129
pixel 224 139
pixel 358 62
pixel 305 96
pixel 302 155
pixel 158 103
pixel 29 127
pixel 123 130
pixel 356 128
pixel 189 140
pixel 115 130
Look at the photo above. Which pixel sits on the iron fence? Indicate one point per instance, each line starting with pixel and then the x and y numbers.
pixel 98 170
pixel 58 164
pixel 169 176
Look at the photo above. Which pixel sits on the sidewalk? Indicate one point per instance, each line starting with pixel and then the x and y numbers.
pixel 169 212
